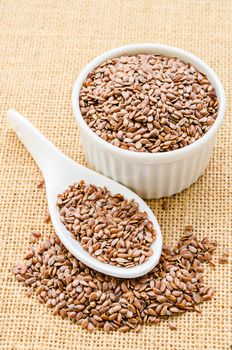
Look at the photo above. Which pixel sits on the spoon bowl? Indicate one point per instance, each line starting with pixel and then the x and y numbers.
pixel 59 172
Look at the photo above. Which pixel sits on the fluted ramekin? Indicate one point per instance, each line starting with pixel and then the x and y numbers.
pixel 150 175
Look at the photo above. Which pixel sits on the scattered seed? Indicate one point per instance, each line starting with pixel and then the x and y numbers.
pixel 226 252
pixel 172 326
pixel 188 228
pixel 165 205
pixel 47 218
pixel 36 234
pixel 94 300
pixel 29 255
pixel 223 260
pixel 40 183
pixel 29 292
pixel 225 257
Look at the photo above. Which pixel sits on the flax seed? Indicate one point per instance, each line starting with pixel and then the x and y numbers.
pixel 94 300
pixel 118 234
pixel 142 92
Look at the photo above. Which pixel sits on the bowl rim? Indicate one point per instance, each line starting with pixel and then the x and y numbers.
pixel 152 49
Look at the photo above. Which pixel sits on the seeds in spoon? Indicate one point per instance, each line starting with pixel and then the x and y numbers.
pixel 109 227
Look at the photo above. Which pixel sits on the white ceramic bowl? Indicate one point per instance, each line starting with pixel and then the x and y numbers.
pixel 150 175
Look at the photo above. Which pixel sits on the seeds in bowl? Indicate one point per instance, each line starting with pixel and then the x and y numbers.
pixel 109 227
pixel 148 103
pixel 97 301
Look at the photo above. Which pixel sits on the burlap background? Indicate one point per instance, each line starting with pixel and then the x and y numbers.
pixel 43 46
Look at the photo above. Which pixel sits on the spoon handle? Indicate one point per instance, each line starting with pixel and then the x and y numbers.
pixel 45 154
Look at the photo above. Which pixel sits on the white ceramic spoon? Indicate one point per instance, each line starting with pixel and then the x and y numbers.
pixel 59 172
